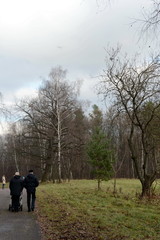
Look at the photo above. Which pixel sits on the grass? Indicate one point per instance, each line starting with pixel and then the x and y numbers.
pixel 76 210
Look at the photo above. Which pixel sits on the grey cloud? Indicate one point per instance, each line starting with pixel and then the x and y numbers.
pixel 74 38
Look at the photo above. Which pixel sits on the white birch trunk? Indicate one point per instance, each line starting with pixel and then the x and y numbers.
pixel 15 155
pixel 59 137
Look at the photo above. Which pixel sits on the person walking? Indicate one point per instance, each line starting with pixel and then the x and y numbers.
pixel 3 181
pixel 30 183
pixel 16 187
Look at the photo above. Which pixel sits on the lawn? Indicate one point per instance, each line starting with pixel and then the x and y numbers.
pixel 76 210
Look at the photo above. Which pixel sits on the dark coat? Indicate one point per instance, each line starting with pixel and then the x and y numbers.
pixel 30 183
pixel 16 185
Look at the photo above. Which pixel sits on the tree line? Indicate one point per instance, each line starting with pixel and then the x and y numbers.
pixel 55 135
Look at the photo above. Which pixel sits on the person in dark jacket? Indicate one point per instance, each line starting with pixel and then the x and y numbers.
pixel 16 187
pixel 30 183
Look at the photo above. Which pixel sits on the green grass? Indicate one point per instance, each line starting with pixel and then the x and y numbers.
pixel 76 210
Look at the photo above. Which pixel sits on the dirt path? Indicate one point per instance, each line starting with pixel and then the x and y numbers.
pixel 15 226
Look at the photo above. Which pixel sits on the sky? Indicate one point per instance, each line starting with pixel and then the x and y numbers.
pixel 38 35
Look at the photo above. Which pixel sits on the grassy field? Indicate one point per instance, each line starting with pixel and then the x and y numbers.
pixel 76 210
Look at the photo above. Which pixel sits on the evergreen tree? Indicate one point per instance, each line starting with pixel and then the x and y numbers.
pixel 99 150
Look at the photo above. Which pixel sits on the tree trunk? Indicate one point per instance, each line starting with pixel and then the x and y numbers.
pixel 115 183
pixel 59 161
pixel 147 184
pixel 15 155
pixel 99 184
pixel 59 140
pixel 46 172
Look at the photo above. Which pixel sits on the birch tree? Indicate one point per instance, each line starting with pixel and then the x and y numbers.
pixel 64 100
pixel 47 116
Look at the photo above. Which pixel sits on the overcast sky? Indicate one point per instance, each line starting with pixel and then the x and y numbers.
pixel 37 35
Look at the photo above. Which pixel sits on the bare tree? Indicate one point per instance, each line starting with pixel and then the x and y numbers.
pixel 116 128
pixel 47 119
pixel 151 18
pixel 77 165
pixel 132 88
pixel 64 100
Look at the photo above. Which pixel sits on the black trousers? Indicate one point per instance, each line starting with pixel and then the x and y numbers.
pixel 15 202
pixel 31 197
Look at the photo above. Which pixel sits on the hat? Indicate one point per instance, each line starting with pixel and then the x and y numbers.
pixel 16 173
pixel 30 171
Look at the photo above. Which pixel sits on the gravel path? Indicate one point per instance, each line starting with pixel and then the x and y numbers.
pixel 17 226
